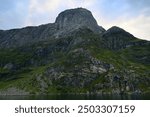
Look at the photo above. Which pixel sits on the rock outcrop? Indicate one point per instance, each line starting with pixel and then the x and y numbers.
pixel 117 38
pixel 66 22
pixel 116 31
pixel 73 19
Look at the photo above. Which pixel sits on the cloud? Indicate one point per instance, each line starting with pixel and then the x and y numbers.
pixel 46 11
pixel 131 15
pixel 79 3
pixel 138 26
pixel 39 11
pixel 41 6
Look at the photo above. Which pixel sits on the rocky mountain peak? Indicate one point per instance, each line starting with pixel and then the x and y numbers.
pixel 116 30
pixel 76 18
pixel 117 38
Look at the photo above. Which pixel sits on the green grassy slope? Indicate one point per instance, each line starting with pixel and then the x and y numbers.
pixel 65 66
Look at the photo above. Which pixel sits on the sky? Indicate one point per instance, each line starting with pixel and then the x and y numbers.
pixel 131 15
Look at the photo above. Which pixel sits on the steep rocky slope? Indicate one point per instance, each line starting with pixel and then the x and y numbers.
pixel 73 55
pixel 67 22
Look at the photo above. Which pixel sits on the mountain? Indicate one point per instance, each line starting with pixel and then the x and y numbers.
pixel 73 55
pixel 67 22
pixel 117 38
pixel 70 20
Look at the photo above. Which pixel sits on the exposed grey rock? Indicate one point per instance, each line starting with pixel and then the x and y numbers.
pixel 96 69
pixel 9 66
pixel 75 18
pixel 80 74
pixel 67 22
pixel 27 35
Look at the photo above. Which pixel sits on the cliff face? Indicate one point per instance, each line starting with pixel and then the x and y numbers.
pixel 66 22
pixel 73 55
pixel 76 18
pixel 25 36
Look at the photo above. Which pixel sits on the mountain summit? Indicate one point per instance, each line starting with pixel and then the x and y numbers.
pixel 75 18
pixel 117 31
pixel 66 23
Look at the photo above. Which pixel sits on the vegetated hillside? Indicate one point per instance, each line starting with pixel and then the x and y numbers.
pixel 83 59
